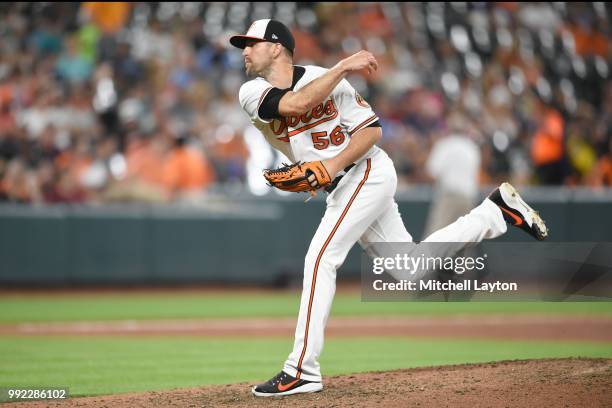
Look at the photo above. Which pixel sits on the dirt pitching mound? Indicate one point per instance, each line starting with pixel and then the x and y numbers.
pixel 529 383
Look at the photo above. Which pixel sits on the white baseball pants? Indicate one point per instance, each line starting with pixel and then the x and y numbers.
pixel 362 208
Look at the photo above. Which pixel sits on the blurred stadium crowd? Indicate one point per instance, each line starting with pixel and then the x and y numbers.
pixel 108 102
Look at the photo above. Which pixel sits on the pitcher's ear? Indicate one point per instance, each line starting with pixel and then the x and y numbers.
pixel 278 49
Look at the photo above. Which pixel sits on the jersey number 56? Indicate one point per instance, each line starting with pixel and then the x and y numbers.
pixel 321 142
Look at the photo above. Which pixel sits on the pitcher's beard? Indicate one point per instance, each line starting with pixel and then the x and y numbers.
pixel 251 72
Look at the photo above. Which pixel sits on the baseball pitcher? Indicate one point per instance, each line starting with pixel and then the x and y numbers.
pixel 317 119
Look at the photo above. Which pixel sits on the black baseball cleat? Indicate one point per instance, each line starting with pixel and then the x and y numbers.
pixel 516 211
pixel 284 384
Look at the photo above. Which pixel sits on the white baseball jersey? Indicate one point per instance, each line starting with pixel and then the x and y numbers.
pixel 318 134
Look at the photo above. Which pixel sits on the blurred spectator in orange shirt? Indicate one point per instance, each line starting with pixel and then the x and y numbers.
pixel 186 170
pixel 547 149
pixel 109 17
pixel 589 41
pixel 144 180
pixel 144 159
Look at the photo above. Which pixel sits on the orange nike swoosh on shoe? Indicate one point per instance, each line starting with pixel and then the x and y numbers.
pixel 516 218
pixel 282 387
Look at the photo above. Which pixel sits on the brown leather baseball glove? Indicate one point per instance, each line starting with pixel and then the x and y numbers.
pixel 295 177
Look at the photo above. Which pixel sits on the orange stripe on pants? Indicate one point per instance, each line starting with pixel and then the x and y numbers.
pixel 316 268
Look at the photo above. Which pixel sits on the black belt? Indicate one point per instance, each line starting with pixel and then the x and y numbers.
pixel 332 186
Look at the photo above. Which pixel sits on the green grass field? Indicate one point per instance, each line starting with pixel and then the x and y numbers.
pixel 108 365
pixel 103 364
pixel 182 306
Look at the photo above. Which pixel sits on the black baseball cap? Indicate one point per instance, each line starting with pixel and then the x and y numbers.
pixel 266 30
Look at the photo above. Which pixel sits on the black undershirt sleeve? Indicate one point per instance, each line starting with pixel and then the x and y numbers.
pixel 374 124
pixel 268 109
